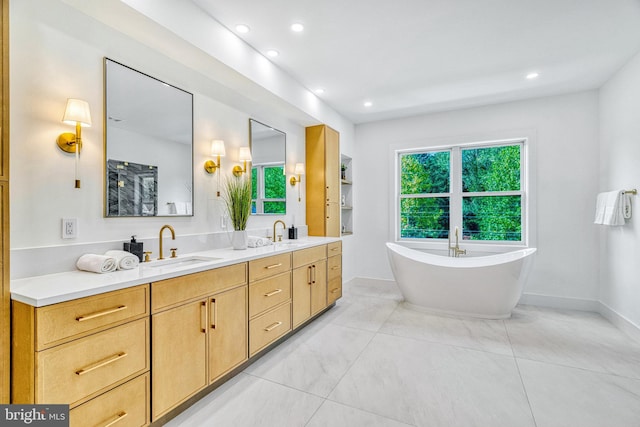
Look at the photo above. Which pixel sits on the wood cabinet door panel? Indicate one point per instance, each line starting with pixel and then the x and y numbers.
pixel 301 295
pixel 318 287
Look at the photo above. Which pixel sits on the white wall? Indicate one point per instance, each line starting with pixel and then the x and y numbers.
pixel 620 168
pixel 564 134
pixel 57 52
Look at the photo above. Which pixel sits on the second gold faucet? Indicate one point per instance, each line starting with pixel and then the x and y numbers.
pixel 274 229
pixel 173 237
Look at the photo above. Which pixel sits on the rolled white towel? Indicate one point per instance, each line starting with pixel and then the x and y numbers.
pixel 257 241
pixel 97 263
pixel 124 260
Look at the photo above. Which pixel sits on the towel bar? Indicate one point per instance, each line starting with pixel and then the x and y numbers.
pixel 634 191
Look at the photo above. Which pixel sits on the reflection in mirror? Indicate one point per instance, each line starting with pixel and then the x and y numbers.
pixel 148 145
pixel 268 179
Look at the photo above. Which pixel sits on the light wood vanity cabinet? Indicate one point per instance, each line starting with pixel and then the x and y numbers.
pixel 83 352
pixel 334 272
pixel 269 300
pixel 199 332
pixel 309 283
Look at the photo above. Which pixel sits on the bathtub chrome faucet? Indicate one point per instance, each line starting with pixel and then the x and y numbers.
pixel 455 251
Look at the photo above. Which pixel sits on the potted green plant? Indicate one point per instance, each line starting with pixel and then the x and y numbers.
pixel 343 171
pixel 237 196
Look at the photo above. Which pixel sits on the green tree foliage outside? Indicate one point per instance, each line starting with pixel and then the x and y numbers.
pixel 274 182
pixel 484 170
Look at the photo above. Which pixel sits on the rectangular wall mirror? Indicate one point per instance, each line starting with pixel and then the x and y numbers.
pixel 268 179
pixel 148 145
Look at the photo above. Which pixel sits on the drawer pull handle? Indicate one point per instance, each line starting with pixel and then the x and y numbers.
pixel 269 267
pixel 101 363
pixel 214 316
pixel 272 326
pixel 335 268
pixel 333 291
pixel 118 417
pixel 203 317
pixel 272 293
pixel 101 313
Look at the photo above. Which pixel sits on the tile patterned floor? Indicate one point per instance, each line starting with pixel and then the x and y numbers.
pixel 372 362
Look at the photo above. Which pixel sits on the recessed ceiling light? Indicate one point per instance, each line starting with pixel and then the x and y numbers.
pixel 532 76
pixel 272 53
pixel 368 103
pixel 297 27
pixel 242 28
pixel 319 91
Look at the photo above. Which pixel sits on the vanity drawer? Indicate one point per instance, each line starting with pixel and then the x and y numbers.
pixel 334 267
pixel 77 318
pixel 334 248
pixel 167 293
pixel 72 372
pixel 334 290
pixel 269 266
pixel 267 328
pixel 268 293
pixel 309 255
pixel 124 406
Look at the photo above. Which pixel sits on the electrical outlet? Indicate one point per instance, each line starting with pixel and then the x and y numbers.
pixel 69 228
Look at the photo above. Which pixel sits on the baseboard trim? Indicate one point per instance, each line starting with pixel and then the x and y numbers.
pixel 553 301
pixel 620 321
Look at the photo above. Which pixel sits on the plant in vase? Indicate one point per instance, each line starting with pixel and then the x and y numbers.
pixel 343 171
pixel 237 197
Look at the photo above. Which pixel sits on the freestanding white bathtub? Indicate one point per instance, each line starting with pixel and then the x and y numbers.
pixel 483 286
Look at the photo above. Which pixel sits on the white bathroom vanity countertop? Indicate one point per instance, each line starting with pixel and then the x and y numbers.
pixel 50 289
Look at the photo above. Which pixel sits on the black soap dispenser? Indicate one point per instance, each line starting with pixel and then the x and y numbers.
pixel 134 247
pixel 293 233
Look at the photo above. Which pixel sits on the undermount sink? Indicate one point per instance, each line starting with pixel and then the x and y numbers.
pixel 178 262
pixel 288 244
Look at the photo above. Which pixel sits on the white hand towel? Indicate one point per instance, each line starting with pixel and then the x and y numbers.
pixel 612 208
pixel 96 263
pixel 256 241
pixel 125 260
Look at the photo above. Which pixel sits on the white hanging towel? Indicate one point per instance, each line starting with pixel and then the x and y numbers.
pixel 612 208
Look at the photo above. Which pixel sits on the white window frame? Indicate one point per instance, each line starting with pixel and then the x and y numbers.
pixel 261 188
pixel 456 197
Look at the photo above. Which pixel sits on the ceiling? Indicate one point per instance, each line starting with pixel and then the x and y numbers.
pixel 410 57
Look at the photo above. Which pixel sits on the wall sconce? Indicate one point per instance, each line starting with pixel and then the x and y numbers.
pixel 217 149
pixel 245 156
pixel 76 113
pixel 299 170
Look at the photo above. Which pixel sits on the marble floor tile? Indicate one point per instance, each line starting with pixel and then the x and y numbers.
pixel 332 414
pixel 249 401
pixel 429 384
pixel 314 360
pixel 575 339
pixel 571 397
pixel 373 288
pixel 364 312
pixel 479 334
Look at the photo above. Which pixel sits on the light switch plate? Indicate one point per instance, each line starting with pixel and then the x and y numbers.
pixel 69 228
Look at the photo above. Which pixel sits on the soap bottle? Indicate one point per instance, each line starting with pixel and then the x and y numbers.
pixel 134 247
pixel 293 233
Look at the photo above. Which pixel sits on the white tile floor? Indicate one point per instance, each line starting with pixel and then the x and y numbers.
pixel 370 362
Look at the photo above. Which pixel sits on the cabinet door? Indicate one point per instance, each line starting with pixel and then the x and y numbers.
pixel 179 348
pixel 318 286
pixel 301 294
pixel 228 341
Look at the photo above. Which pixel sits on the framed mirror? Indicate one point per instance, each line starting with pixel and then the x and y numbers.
pixel 268 179
pixel 148 145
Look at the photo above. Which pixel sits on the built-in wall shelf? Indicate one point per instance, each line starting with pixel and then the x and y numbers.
pixel 346 195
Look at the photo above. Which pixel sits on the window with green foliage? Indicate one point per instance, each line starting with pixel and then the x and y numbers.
pixel 476 188
pixel 269 191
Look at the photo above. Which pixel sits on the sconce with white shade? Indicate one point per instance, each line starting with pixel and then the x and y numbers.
pixel 244 156
pixel 217 150
pixel 298 170
pixel 76 113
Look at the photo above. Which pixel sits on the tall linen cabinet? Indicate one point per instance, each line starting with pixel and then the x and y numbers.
pixel 323 181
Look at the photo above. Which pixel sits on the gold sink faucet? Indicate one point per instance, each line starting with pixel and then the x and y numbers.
pixel 173 237
pixel 284 227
